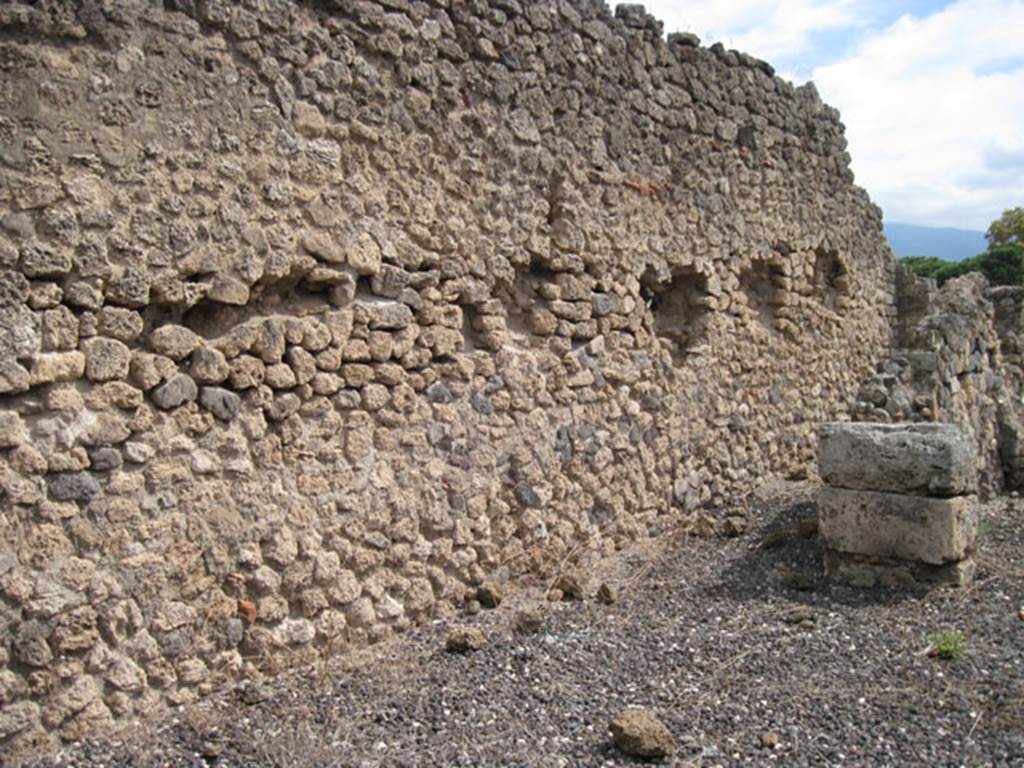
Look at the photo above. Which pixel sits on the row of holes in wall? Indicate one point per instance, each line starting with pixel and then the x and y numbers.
pixel 678 306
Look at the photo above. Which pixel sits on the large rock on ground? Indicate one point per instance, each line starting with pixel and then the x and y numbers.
pixel 923 459
pixel 639 733
pixel 892 525
pixel 465 640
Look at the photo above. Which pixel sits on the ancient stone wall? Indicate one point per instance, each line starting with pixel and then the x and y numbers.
pixel 313 314
pixel 956 359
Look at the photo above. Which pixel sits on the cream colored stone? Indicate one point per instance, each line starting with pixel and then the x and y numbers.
pixel 914 528
pixel 57 366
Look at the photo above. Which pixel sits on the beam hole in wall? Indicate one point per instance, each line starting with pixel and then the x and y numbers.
pixel 364 289
pixel 528 292
pixel 763 285
pixel 210 318
pixel 831 278
pixel 471 340
pixel 679 309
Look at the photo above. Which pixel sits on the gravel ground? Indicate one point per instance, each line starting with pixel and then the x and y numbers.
pixel 739 645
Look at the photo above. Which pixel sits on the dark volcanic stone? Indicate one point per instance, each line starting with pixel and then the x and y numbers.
pixel 104 459
pixel 72 486
pixel 222 403
pixel 178 390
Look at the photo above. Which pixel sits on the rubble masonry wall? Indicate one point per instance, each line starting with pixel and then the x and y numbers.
pixel 314 314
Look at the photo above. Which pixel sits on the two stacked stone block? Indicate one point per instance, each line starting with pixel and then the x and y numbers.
pixel 899 505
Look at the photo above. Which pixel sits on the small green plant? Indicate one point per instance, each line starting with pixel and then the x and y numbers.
pixel 948 644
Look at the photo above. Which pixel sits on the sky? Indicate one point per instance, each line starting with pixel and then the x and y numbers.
pixel 931 91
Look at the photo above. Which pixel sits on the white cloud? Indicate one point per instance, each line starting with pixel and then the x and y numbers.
pixel 933 103
pixel 776 30
pixel 934 109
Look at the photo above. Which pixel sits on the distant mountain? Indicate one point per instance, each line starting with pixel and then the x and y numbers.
pixel 943 242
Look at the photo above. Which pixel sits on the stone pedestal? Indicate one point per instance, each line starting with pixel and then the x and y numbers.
pixel 899 504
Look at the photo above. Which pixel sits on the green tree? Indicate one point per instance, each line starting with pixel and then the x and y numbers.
pixel 1003 265
pixel 926 266
pixel 1007 229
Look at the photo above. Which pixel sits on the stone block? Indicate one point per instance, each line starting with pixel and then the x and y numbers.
pixel 72 486
pixel 174 341
pixel 222 403
pixel 867 572
pixel 106 359
pixel 178 390
pixel 17 717
pixel 916 528
pixel 13 378
pixel 12 430
pixel 57 366
pixel 924 459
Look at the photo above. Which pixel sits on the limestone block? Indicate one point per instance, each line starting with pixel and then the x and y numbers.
pixel 17 717
pixel 73 460
pixel 147 370
pixel 84 295
pixel 302 363
pixel 867 572
pixel 76 630
pixel 27 460
pixel 129 289
pixel 927 459
pixel 280 376
pixel 917 528
pixel 13 378
pixel 247 372
pixel 294 632
pixel 209 366
pixel 387 315
pixel 57 366
pixel 106 359
pixel 204 462
pixel 119 323
pixel 30 646
pixel 39 261
pixel 106 428
pixel 326 383
pixel 118 394
pixel 364 254
pixel 19 333
pixel 14 288
pixel 322 246
pixel 12 430
pixel 228 290
pixel 308 120
pixel 45 296
pixel 125 675
pixel 59 329
pixel 138 453
pixel 174 341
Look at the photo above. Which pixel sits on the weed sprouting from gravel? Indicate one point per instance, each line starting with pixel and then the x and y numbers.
pixel 948 644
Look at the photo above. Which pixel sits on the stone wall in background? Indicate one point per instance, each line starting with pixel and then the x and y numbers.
pixel 957 359
pixel 313 315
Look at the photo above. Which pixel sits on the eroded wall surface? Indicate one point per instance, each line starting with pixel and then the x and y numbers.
pixel 957 359
pixel 314 314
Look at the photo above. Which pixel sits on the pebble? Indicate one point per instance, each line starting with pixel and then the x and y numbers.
pixel 465 640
